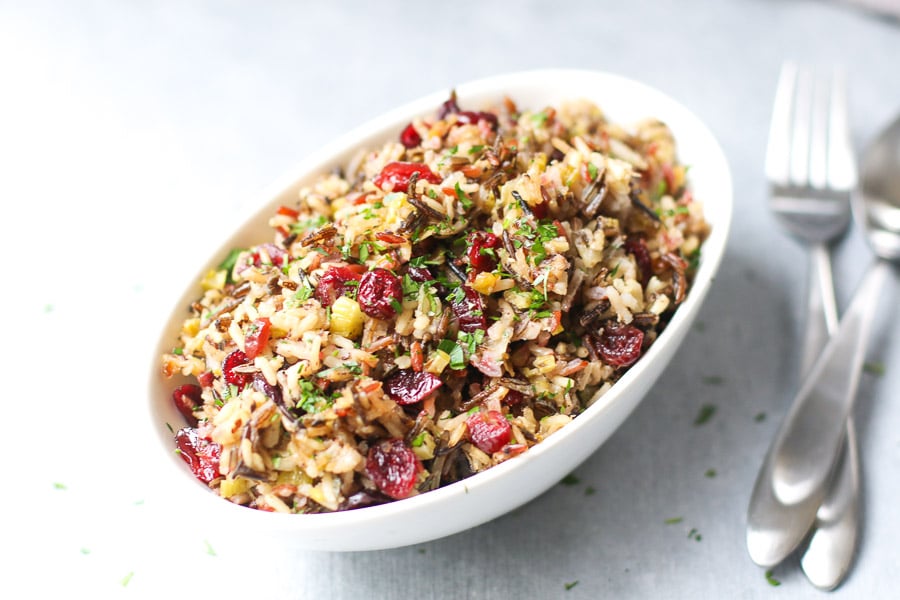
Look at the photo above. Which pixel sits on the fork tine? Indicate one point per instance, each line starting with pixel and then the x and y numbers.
pixel 778 151
pixel 841 161
pixel 818 138
pixel 800 133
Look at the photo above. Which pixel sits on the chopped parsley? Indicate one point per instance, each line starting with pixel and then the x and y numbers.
pixel 539 118
pixel 461 196
pixel 710 473
pixel 875 368
pixel 398 308
pixel 432 194
pixel 304 292
pixel 59 486
pixel 418 440
pixel 227 265
pixel 209 548
pixel 592 171
pixel 570 479
pixel 127 579
pixel 693 534
pixel 674 520
pixel 312 399
pixel 455 351
pixel 706 413
pixel 307 224
pixel 570 585
pixel 760 417
pixel 476 149
pixel 472 340
pixel 771 580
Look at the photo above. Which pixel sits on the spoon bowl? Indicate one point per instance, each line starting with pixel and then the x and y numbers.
pixel 877 202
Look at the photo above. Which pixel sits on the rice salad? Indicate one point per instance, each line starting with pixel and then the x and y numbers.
pixel 434 307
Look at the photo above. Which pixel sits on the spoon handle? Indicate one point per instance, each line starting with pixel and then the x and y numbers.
pixel 808 442
pixel 829 553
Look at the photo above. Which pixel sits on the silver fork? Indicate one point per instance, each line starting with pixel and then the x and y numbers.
pixel 811 170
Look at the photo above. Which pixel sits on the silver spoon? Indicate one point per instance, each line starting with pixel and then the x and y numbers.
pixel 806 457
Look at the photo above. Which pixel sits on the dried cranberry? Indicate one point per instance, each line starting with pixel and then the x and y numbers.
pixel 619 345
pixel 187 399
pixel 233 360
pixel 396 175
pixel 335 283
pixel 407 386
pixel 409 137
pixel 513 397
pixel 469 309
pixel 278 255
pixel 449 107
pixel 206 378
pixel 420 274
pixel 465 117
pixel 637 247
pixel 201 454
pixel 489 430
pixel 468 117
pixel 540 209
pixel 393 466
pixel 257 338
pixel 379 291
pixel 482 245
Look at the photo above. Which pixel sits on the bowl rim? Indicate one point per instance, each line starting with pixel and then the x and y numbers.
pixel 713 250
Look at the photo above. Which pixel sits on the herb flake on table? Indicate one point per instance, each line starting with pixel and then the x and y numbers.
pixel 570 479
pixel 570 585
pixel 209 548
pixel 589 491
pixel 710 473
pixel 874 368
pixel 693 534
pixel 772 581
pixel 59 486
pixel 706 413
pixel 760 417
pixel 127 579
pixel 674 520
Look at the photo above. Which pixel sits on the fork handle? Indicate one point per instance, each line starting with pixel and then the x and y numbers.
pixel 810 437
pixel 821 308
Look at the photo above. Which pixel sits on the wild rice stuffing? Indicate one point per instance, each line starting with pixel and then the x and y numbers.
pixel 435 307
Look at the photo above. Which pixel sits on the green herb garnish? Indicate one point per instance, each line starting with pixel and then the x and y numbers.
pixel 706 413
pixel 461 196
pixel 227 265
pixel 455 351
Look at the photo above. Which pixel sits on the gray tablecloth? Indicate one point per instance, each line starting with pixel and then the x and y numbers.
pixel 133 134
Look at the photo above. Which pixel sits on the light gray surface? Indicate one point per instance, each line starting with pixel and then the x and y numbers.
pixel 131 134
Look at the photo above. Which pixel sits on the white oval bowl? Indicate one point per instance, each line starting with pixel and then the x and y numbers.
pixel 502 488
